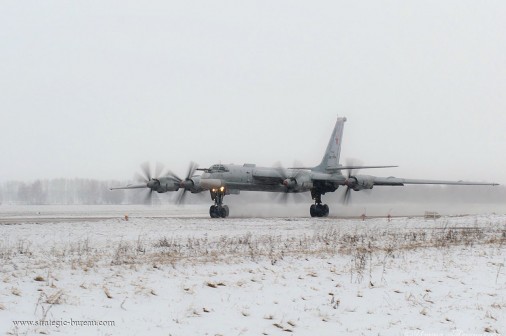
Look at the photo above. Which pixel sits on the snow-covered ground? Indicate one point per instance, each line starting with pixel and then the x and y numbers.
pixel 190 275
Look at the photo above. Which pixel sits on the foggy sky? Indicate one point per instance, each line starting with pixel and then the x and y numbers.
pixel 92 89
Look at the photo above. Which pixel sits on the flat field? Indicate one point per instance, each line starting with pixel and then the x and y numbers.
pixel 167 271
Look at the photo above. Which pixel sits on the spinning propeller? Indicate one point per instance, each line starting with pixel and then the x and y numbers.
pixel 163 182
pixel 146 177
pixel 186 184
pixel 290 183
pixel 350 181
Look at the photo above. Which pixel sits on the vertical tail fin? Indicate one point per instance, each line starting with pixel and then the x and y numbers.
pixel 330 159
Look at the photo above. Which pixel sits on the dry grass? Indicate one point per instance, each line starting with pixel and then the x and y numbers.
pixel 364 247
pixel 107 293
pixel 211 284
pixel 15 291
pixel 55 298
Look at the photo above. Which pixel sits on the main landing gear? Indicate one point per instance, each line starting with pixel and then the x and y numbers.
pixel 218 209
pixel 318 209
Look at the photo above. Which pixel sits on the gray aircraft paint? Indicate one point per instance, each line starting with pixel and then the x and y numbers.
pixel 226 179
pixel 330 159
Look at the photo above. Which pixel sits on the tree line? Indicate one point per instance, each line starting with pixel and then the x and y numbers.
pixel 66 191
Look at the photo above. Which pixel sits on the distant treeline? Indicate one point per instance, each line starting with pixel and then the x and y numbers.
pixel 65 191
pixel 90 191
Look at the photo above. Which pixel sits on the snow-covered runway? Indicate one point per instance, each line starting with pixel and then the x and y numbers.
pixel 252 276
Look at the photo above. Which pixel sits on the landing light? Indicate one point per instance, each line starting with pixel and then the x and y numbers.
pixel 222 189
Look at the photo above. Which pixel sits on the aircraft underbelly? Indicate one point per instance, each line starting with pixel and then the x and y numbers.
pixel 253 186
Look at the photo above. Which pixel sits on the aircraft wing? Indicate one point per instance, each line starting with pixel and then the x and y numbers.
pixel 138 186
pixel 269 175
pixel 394 181
pixel 359 182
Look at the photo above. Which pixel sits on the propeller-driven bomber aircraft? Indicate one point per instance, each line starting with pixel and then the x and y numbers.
pixel 226 179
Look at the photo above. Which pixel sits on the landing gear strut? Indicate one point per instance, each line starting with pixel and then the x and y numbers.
pixel 218 209
pixel 318 209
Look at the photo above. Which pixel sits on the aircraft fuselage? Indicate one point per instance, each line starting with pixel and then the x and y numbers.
pixel 249 177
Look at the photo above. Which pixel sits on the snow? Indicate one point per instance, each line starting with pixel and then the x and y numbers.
pixel 161 273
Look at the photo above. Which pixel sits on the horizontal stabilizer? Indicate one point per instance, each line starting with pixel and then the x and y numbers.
pixel 362 167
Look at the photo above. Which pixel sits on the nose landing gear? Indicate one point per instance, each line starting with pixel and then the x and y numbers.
pixel 218 209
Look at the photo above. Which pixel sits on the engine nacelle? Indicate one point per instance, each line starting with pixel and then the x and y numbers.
pixel 165 184
pixel 300 182
pixel 208 183
pixel 361 182
pixel 196 185
pixel 307 185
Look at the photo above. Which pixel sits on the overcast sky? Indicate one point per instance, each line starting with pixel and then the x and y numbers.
pixel 93 88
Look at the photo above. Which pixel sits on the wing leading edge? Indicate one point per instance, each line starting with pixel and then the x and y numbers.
pixel 138 186
pixel 395 181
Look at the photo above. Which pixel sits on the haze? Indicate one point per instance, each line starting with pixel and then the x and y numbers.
pixel 92 89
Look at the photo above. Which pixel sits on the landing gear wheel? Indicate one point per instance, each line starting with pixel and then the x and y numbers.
pixel 325 209
pixel 213 211
pixel 217 211
pixel 319 210
pixel 312 210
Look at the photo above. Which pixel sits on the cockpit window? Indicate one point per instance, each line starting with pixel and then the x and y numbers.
pixel 218 168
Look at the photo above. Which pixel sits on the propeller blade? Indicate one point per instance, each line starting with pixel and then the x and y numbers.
pixel 181 196
pixel 191 170
pixel 184 185
pixel 352 167
pixel 347 196
pixel 158 169
pixel 350 172
pixel 287 173
pixel 283 198
pixel 147 198
pixel 139 178
pixel 173 176
pixel 146 170
pixel 280 170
